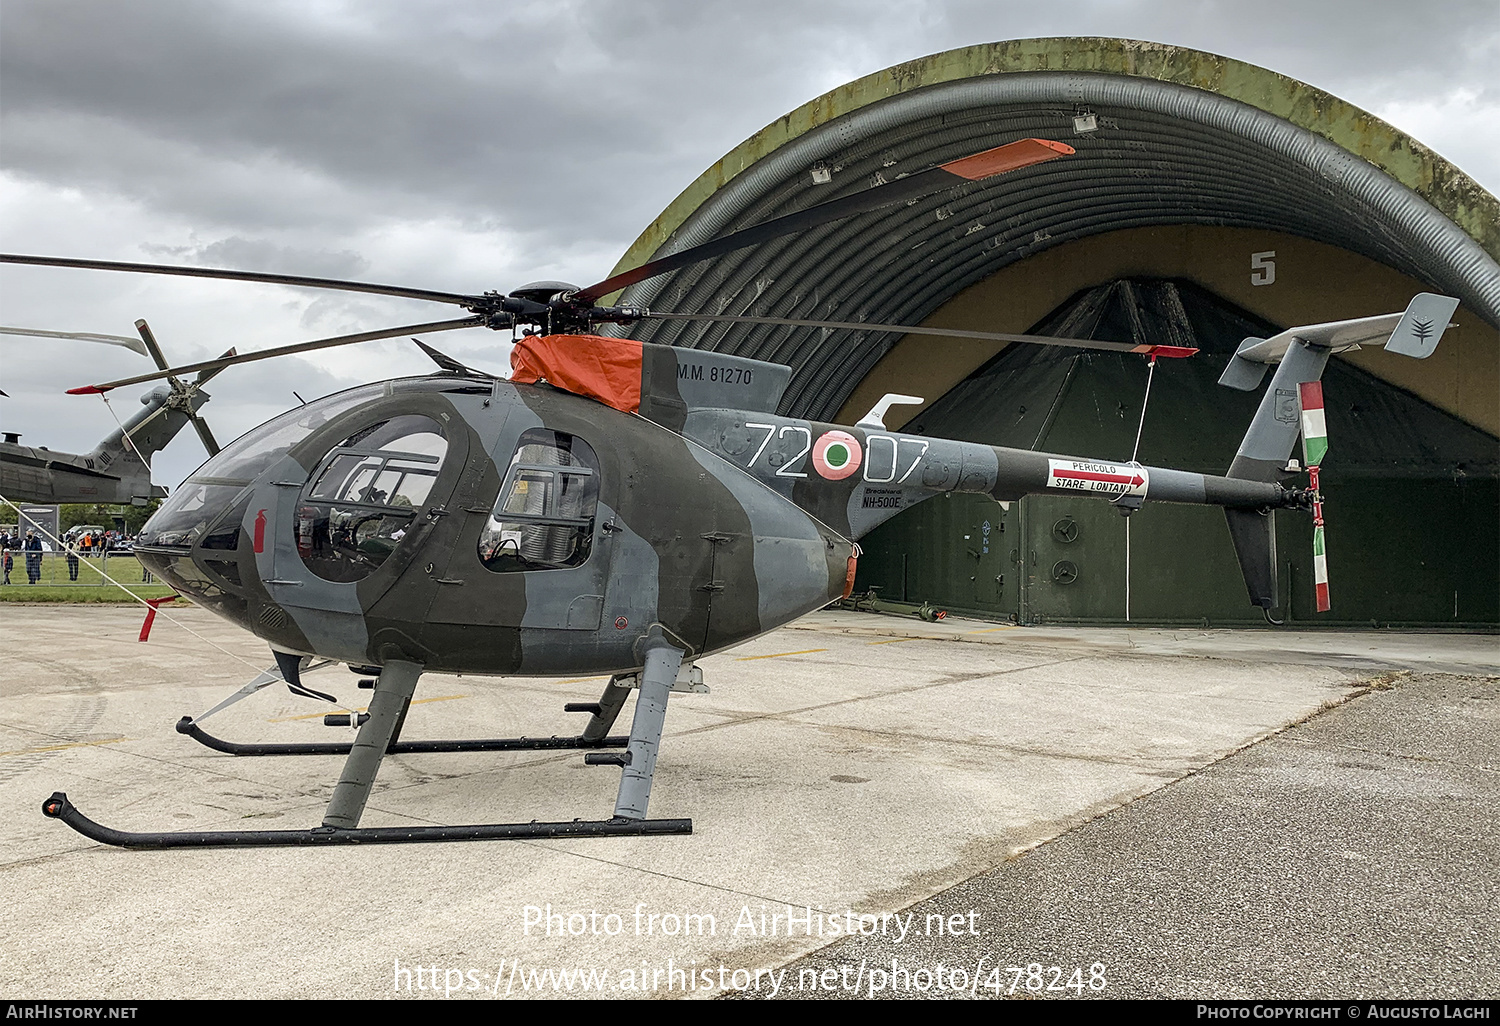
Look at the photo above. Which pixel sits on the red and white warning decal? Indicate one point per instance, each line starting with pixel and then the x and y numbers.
pixel 836 455
pixel 1108 478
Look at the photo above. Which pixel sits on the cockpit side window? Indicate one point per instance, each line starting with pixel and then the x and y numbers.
pixel 365 494
pixel 544 516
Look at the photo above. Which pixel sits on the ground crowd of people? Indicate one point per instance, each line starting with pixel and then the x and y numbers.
pixel 90 544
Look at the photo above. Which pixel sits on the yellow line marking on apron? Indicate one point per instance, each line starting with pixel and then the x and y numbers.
pixel 57 748
pixel 778 655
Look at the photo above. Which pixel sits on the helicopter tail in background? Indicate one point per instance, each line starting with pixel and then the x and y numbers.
pixel 127 451
pixel 118 469
pixel 1300 355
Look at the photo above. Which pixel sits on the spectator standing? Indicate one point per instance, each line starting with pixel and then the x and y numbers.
pixel 33 557
pixel 9 562
pixel 72 561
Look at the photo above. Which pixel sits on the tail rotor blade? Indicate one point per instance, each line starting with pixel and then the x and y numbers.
pixel 205 435
pixel 1314 448
pixel 1320 561
pixel 204 376
pixel 151 345
pixel 1314 424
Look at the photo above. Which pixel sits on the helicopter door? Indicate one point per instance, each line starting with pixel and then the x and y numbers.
pixel 531 559
pixel 367 508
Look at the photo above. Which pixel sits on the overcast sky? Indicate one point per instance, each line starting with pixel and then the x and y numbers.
pixel 465 146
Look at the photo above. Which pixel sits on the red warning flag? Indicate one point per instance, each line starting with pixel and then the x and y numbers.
pixel 151 613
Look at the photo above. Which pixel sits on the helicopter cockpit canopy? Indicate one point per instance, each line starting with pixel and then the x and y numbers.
pixel 213 487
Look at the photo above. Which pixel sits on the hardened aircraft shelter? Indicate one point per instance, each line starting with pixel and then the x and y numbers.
pixel 1209 200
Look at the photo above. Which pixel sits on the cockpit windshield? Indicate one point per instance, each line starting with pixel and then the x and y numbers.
pixel 246 457
pixel 210 490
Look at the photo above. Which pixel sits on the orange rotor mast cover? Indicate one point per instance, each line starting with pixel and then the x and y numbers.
pixel 606 369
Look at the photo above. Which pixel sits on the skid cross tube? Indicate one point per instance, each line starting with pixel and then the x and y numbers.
pixel 494 744
pixel 58 807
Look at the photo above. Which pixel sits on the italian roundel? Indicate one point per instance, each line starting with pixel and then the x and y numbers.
pixel 836 455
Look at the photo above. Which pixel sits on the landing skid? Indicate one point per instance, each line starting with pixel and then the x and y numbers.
pixel 377 737
pixel 58 807
pixel 494 744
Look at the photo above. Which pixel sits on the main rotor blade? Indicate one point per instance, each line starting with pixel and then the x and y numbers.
pixel 87 336
pixel 1010 157
pixel 272 279
pixel 300 347
pixel 988 336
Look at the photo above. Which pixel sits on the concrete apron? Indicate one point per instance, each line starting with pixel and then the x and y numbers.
pixel 839 768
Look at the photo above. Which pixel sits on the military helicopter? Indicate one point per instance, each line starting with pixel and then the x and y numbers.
pixel 613 507
pixel 118 469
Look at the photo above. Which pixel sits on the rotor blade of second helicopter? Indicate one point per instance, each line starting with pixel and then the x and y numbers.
pixel 205 435
pixel 988 336
pixel 300 347
pixel 154 349
pixel 133 344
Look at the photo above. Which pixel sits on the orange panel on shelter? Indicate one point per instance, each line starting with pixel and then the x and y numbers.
pixel 606 369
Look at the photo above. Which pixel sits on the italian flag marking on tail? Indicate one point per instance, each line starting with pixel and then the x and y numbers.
pixel 1314 425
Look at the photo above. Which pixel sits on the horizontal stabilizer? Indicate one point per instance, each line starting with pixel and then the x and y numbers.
pixel 1414 333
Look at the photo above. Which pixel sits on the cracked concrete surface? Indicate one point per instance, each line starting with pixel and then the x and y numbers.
pixel 850 764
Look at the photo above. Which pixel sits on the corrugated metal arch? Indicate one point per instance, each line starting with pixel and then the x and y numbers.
pixel 1165 153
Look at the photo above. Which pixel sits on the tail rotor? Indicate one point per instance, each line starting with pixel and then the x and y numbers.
pixel 1314 448
pixel 183 394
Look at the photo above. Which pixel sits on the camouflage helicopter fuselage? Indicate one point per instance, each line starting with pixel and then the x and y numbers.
pixel 702 512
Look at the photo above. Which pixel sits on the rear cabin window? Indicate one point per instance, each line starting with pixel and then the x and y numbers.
pixel 544 516
pixel 365 495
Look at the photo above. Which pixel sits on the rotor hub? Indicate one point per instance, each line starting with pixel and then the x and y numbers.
pixel 543 291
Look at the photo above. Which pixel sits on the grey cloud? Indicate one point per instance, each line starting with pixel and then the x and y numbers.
pixel 486 109
pixel 581 119
pixel 261 255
